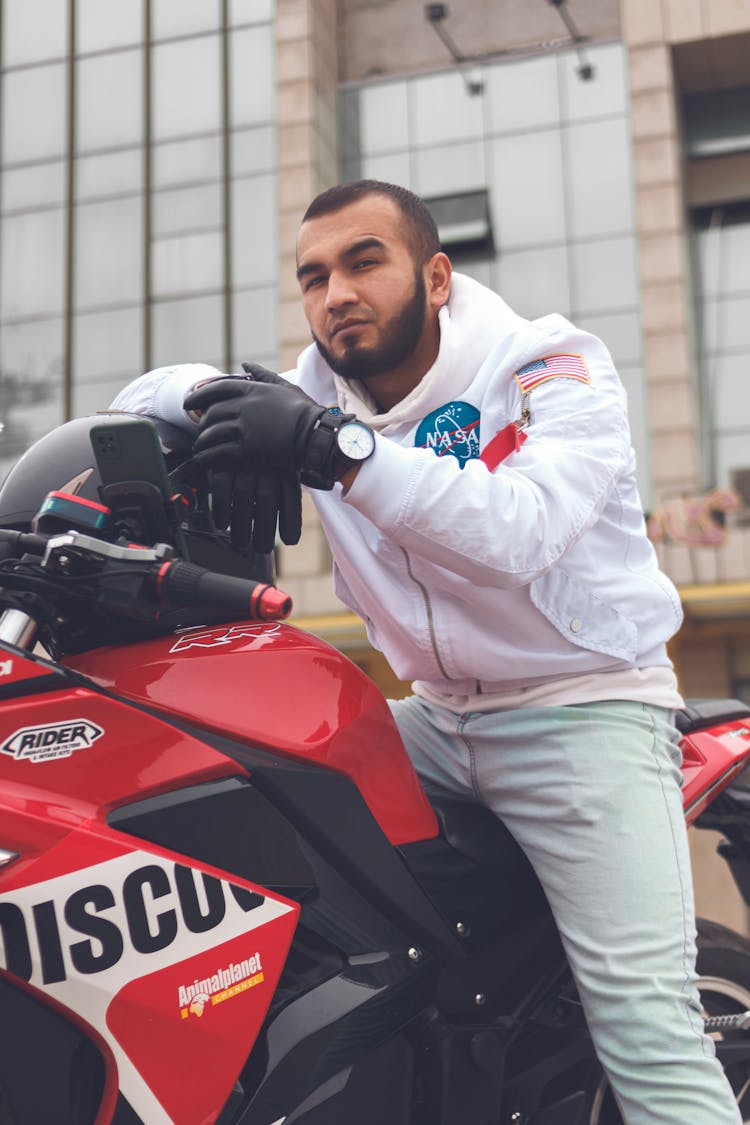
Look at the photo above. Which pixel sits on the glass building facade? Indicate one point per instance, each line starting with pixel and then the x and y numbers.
pixel 554 156
pixel 138 197
pixel 722 258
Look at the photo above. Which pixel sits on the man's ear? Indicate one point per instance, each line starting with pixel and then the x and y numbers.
pixel 438 271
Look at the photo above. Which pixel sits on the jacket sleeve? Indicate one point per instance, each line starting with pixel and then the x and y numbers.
pixel 505 528
pixel 160 393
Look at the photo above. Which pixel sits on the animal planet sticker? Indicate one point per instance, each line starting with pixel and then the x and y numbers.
pixel 451 430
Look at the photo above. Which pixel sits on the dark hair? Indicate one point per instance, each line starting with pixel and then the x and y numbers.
pixel 420 225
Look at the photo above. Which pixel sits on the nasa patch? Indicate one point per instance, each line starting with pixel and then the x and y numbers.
pixel 451 429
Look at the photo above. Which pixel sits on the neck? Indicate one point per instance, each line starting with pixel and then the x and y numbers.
pixel 390 387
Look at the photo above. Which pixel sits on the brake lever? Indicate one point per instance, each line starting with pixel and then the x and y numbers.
pixel 65 553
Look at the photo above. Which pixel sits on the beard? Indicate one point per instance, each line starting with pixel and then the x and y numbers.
pixel 398 342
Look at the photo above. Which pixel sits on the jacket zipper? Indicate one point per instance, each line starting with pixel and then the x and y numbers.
pixel 430 620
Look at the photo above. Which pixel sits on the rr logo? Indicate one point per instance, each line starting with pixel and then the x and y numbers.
pixel 200 637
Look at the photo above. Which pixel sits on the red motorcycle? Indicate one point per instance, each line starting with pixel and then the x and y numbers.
pixel 224 894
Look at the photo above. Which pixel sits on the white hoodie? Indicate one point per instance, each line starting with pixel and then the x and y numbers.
pixel 474 582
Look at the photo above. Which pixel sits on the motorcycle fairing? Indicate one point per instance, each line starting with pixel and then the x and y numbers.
pixel 128 939
pixel 710 761
pixel 272 686
pixel 169 964
pixel 22 673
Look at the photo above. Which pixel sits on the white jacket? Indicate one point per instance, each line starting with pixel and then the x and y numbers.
pixel 477 581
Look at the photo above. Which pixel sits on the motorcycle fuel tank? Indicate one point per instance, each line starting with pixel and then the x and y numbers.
pixel 275 688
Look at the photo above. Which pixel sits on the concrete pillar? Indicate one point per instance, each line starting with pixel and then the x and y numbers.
pixel 307 152
pixel 663 249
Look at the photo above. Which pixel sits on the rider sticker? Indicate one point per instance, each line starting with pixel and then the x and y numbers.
pixel 451 429
pixel 50 741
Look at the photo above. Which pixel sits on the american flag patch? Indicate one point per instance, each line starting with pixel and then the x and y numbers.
pixel 553 367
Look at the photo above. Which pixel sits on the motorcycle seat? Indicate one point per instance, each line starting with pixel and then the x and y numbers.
pixel 700 713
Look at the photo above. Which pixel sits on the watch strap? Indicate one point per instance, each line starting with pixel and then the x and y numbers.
pixel 322 452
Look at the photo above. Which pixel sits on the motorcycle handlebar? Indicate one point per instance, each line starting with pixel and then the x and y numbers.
pixel 16 543
pixel 185 584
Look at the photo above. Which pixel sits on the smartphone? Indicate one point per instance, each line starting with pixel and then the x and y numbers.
pixel 128 449
pixel 135 484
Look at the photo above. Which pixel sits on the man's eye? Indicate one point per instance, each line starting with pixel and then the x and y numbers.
pixel 363 263
pixel 312 282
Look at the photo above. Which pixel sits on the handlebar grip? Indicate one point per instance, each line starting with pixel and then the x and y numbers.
pixel 185 584
pixel 13 544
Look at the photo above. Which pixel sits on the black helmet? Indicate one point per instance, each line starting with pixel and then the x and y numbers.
pixel 61 460
pixel 64 460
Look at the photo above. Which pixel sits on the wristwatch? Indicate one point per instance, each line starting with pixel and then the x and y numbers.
pixel 337 442
pixel 355 441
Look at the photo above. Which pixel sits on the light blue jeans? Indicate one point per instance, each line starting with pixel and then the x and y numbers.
pixel 592 794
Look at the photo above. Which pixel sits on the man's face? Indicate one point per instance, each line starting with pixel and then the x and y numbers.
pixel 363 295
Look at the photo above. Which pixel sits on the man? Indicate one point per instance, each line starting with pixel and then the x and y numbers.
pixel 474 476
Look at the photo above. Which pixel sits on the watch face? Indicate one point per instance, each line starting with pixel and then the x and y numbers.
pixel 356 441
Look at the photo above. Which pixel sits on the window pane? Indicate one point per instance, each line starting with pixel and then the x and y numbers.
pixel 251 72
pixel 723 252
pixel 186 87
pixel 600 192
pixel 731 453
pixel 384 118
pixel 443 111
pixel 255 324
pixel 109 101
pixel 621 332
pixel 438 171
pixel 90 397
pixel 735 273
pixel 32 264
pixel 34 30
pixel 522 95
pixel 32 354
pixel 109 257
pixel 108 343
pixel 28 421
pixel 187 263
pixel 188 331
pixel 604 275
pixel 731 402
pixel 525 181
pixel 30 385
pixel 393 167
pixel 480 271
pixel 33 186
pixel 186 209
pixel 183 17
pixel 33 105
pixel 175 162
pixel 253 150
pixel 534 282
pixel 111 173
pixel 726 324
pixel 605 93
pixel 254 234
pixel 250 11
pixel 107 23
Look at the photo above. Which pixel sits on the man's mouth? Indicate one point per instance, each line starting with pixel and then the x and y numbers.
pixel 347 325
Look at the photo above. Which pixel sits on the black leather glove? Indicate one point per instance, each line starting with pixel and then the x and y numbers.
pixel 264 422
pixel 251 504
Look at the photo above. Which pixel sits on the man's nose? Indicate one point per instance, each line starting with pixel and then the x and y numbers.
pixel 340 291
